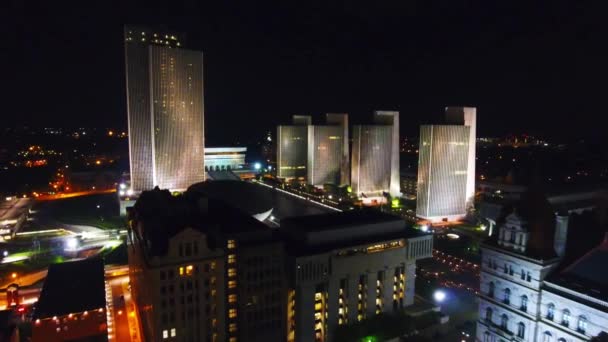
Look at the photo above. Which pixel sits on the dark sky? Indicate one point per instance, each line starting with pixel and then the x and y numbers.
pixel 537 67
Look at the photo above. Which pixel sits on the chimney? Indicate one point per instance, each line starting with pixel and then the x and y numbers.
pixel 561 233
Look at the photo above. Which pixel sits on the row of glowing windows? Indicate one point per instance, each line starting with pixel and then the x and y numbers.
pixel 166 333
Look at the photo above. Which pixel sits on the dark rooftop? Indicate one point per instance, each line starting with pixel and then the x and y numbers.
pixel 250 198
pixel 72 287
pixel 164 216
pixel 335 220
pixel 308 235
pixel 587 275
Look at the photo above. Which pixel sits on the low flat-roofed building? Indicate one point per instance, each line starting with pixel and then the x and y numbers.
pixel 224 158
pixel 346 267
pixel 72 304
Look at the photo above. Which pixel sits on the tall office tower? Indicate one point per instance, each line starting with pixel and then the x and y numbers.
pixel 348 267
pixel 375 162
pixel 466 116
pixel 292 145
pixel 203 271
pixel 165 111
pixel 442 172
pixel 342 120
pixel 327 151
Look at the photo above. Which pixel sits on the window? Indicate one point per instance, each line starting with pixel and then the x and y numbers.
pixel 188 249
pixel 505 269
pixel 507 296
pixel 547 337
pixel 528 277
pixel 232 313
pixel 550 311
pixel 582 324
pixel 231 244
pixel 561 340
pixel 231 284
pixel 491 290
pixel 489 314
pixel 523 275
pixel 504 322
pixel 566 318
pixel 521 330
pixel 232 327
pixel 232 272
pixel 232 258
pixel 512 237
pixel 172 332
pixel 486 337
pixel 524 303
pixel 232 298
pixel 165 334
pixel 189 270
pixel 510 270
pixel 162 275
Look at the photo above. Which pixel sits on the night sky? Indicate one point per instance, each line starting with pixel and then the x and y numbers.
pixel 529 68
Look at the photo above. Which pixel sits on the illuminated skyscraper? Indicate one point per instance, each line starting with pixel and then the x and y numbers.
pixel 375 162
pixel 442 172
pixel 466 116
pixel 165 111
pixel 292 144
pixel 328 151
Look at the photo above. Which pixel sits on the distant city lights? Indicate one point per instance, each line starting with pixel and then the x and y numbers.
pixel 257 166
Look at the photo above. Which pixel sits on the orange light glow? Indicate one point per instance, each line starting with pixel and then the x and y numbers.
pixel 14 275
pixel 98 162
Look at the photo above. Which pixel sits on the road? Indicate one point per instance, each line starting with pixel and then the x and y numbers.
pixel 124 322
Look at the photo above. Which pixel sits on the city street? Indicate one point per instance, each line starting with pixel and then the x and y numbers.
pixel 124 321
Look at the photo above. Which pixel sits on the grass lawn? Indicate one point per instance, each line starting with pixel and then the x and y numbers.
pixel 94 210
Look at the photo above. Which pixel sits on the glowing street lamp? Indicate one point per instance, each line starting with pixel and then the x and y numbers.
pixel 439 296
pixel 257 166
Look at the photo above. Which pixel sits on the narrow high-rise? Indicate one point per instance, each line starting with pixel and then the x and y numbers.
pixel 165 111
pixel 328 151
pixel 375 161
pixel 446 167
pixel 292 144
pixel 466 116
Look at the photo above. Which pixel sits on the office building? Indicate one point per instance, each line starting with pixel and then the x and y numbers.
pixel 375 157
pixel 72 304
pixel 466 116
pixel 165 111
pixel 526 294
pixel 442 172
pixel 203 271
pixel 292 148
pixel 327 161
pixel 347 267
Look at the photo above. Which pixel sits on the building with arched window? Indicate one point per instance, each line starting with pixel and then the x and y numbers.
pixel 538 299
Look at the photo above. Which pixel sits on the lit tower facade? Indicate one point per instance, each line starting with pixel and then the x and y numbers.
pixel 375 161
pixel 328 151
pixel 466 116
pixel 442 172
pixel 292 145
pixel 165 111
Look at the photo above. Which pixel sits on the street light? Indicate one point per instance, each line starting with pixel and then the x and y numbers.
pixel 257 166
pixel 439 296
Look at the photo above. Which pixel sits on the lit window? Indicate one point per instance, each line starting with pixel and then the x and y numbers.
pixel 189 270
pixel 232 298
pixel 232 313
pixel 165 334
pixel 566 318
pixel 181 271
pixel 231 259
pixel 582 324
pixel 232 272
pixel 231 284
pixel 172 332
pixel 232 327
pixel 232 339
pixel 231 244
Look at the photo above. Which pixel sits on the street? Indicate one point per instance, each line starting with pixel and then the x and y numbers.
pixel 123 323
